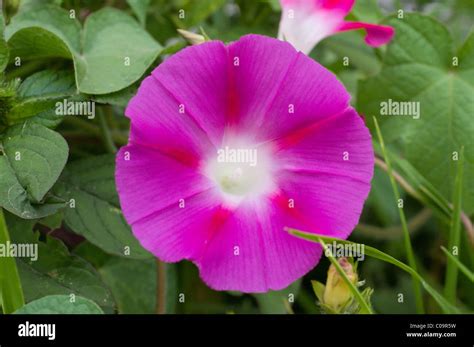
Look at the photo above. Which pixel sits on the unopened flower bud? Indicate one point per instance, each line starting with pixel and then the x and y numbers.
pixel 337 293
pixel 192 38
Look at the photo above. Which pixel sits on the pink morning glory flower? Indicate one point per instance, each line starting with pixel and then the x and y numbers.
pixel 230 144
pixel 306 22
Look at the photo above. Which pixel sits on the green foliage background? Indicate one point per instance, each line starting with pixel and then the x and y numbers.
pixel 88 251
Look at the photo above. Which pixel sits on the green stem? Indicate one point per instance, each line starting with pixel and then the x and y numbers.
pixel 10 285
pixel 106 135
pixel 407 242
pixel 365 307
pixel 454 233
pixel 468 273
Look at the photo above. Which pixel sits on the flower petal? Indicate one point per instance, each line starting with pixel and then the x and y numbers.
pixel 197 78
pixel 252 252
pixel 306 22
pixel 177 233
pixel 280 90
pixel 327 171
pixel 344 6
pixel 149 181
pixel 258 65
pixel 183 104
pixel 276 97
pixel 376 36
pixel 157 123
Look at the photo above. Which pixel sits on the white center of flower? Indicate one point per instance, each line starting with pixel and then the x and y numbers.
pixel 241 172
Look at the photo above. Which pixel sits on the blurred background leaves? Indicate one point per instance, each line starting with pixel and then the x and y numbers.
pixel 89 250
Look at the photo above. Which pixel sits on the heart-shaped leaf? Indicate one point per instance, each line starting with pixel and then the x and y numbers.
pixel 109 54
pixel 421 66
pixel 60 304
pixel 33 158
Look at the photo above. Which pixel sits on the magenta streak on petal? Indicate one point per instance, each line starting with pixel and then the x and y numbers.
pixel 232 110
pixel 344 6
pixel 376 36
pixel 292 138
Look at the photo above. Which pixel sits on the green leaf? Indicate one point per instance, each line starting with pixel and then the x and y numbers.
pixel 33 158
pixel 418 66
pixel 45 32
pixel 373 252
pixel 469 274
pixel 48 84
pixel 318 289
pixel 96 214
pixel 278 302
pixel 132 282
pixel 351 45
pixel 275 5
pixel 455 233
pixel 196 12
pixel 120 98
pixel 4 54
pixel 32 5
pixel 11 292
pixel 4 51
pixel 139 7
pixel 111 38
pixel 421 188
pixel 109 54
pixel 53 221
pixel 2 23
pixel 92 254
pixel 56 271
pixel 366 11
pixel 381 199
pixel 37 154
pixel 38 95
pixel 60 304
